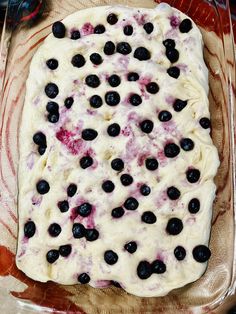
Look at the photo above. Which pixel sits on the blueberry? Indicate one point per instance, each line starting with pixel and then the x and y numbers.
pixel 146 126
pixel 29 229
pixel 108 186
pixel 113 129
pixel 92 80
pixel 39 139
pixel 78 61
pixel 128 30
pixel 54 230
pixel 117 212
pixel 84 209
pixel 89 134
pixel 151 164
pixel 42 187
pixel 131 203
pixel 95 101
pixel 149 217
pixel 78 230
pixel 173 193
pixel 58 29
pixel 124 48
pixel 52 64
pixel 194 206
pixel 142 54
pixel 169 43
pixel 51 90
pixel 164 116
pixel 91 235
pixel 131 247
pixel 135 100
pixel 112 98
pixel 144 270
pixel 174 72
pixel 69 102
pixel 133 76
pixel 53 117
pixel 145 190
pixel 86 162
pixel 172 55
pixel 96 59
pixel 110 257
pixel 75 35
pixel 83 278
pixel 152 88
pixel 114 80
pixel 99 29
pixel 193 175
pixel 52 256
pixel 201 253
pixel 158 267
pixel 148 27
pixel 109 48
pixel 52 107
pixel 186 144
pixel 65 250
pixel 117 164
pixel 179 105
pixel 71 190
pixel 112 18
pixel 126 179
pixel 63 206
pixel 174 226
pixel 171 150
pixel 185 26
pixel 205 123
pixel 42 150
pixel 179 253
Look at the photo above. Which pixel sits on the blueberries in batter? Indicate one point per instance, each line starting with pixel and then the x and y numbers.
pixel 174 226
pixel 179 253
pixel 174 72
pixel 58 29
pixel 128 30
pixel 86 162
pixel 185 26
pixel 164 116
pixel 54 230
pixel 52 64
pixel 83 278
pixel 171 150
pixel 78 61
pixel 65 250
pixel 113 129
pixel 112 19
pixel 108 186
pixel 63 206
pixel 158 267
pixel 148 27
pixel 117 164
pixel 151 164
pixel 71 190
pixel 91 235
pixel 109 48
pixel 69 102
pixel 173 193
pixel 124 48
pixel 146 126
pixel 92 80
pixel 53 117
pixel 126 179
pixel 75 35
pixel 194 206
pixel 193 175
pixel 142 54
pixel 110 257
pixel 152 88
pixel 42 150
pixel 52 107
pixel 205 123
pixel 42 187
pixel 40 139
pixel 131 203
pixel 117 212
pixel 99 29
pixel 112 98
pixel 52 256
pixel 187 144
pixel 133 76
pixel 95 101
pixel 96 58
pixel 51 90
pixel 172 55
pixel 179 105
pixel 89 134
pixel 149 217
pixel 131 247
pixel 201 253
pixel 84 209
pixel 114 80
pixel 145 190
pixel 169 43
pixel 29 229
pixel 144 270
pixel 135 100
pixel 78 231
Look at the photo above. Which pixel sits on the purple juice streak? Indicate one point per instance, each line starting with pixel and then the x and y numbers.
pixel 30 161
pixel 170 100
pixel 23 251
pixel 123 62
pixel 90 218
pixel 75 146
pixel 102 283
pixel 190 221
pixel 142 158
pixel 183 67
pixel 36 200
pixel 87 29
pixel 174 21
pixel 127 130
pixel 140 18
pixel 92 112
pixel 36 101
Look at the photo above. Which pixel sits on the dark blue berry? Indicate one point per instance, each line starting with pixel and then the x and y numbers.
pixel 142 54
pixel 201 253
pixel 84 209
pixel 110 257
pixel 78 61
pixel 51 90
pixel 54 230
pixel 52 256
pixel 149 217
pixel 58 29
pixel 42 187
pixel 185 26
pixel 29 229
pixel 52 64
pixel 174 226
pixel 173 193
pixel 144 270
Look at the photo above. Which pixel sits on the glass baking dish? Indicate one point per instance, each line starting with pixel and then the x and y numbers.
pixel 19 294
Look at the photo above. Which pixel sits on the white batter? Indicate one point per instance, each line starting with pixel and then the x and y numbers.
pixel 60 166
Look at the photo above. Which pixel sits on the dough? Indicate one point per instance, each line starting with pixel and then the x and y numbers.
pixel 117 188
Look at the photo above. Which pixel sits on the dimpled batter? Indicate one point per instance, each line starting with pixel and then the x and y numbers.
pixel 116 159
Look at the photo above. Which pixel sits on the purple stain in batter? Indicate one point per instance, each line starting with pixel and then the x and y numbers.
pixel 36 200
pixel 102 283
pixel 74 146
pixel 36 101
pixel 140 18
pixel 30 161
pixel 174 21
pixel 87 29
